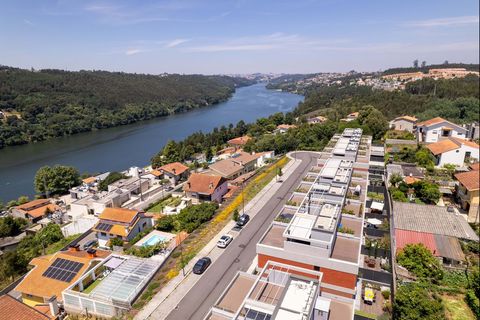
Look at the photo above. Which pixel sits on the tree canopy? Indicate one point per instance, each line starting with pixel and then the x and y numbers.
pixel 413 302
pixel 417 259
pixel 56 180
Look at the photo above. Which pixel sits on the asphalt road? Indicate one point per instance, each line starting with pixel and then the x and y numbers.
pixel 239 254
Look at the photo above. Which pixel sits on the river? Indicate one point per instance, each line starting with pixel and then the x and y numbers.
pixel 132 145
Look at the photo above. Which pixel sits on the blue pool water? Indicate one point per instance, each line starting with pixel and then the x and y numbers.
pixel 153 240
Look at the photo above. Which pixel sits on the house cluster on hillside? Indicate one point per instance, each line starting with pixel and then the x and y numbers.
pixel 444 73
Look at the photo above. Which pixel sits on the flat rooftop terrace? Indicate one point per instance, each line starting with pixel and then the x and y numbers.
pixel 274 236
pixel 233 298
pixel 346 249
pixel 340 310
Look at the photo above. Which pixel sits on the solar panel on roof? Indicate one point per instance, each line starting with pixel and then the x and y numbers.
pixel 103 226
pixel 63 270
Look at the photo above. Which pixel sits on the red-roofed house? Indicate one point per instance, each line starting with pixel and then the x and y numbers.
pixel 454 151
pixel 34 210
pixel 238 142
pixel 174 172
pixel 205 187
pixel 404 123
pixel 13 309
pixel 438 129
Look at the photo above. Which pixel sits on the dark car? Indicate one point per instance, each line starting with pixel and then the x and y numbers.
pixel 201 265
pixel 242 220
pixel 90 244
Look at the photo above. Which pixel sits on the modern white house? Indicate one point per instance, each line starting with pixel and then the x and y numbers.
pixel 437 129
pixel 403 123
pixel 454 151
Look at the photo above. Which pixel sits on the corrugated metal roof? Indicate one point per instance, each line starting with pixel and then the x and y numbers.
pixel 449 247
pixel 404 237
pixel 431 219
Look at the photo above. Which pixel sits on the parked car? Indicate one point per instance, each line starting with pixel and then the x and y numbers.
pixel 169 188
pixel 201 265
pixel 242 220
pixel 89 244
pixel 224 241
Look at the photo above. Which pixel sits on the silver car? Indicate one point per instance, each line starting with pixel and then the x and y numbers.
pixel 224 241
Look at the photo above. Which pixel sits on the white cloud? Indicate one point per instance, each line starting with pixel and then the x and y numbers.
pixel 131 52
pixel 445 22
pixel 26 21
pixel 175 43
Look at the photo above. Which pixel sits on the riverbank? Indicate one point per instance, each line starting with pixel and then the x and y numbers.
pixel 132 145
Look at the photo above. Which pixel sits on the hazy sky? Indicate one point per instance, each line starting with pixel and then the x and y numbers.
pixel 243 36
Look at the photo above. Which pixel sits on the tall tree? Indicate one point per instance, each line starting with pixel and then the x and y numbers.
pixel 415 63
pixel 56 180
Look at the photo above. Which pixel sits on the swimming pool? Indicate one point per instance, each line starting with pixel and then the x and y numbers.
pixel 153 240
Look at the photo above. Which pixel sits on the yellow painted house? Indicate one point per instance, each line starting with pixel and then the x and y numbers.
pixel 469 193
pixel 51 274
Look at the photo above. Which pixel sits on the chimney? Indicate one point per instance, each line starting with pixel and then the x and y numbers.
pixel 52 303
pixel 210 185
pixel 92 253
pixel 189 185
pixel 74 247
pixel 174 171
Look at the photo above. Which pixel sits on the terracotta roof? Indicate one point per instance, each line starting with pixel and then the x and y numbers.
pixel 410 180
pixel 354 114
pixel 203 183
pixel 443 146
pixel 404 237
pixel 36 284
pixel 118 215
pixel 175 168
pixel 475 166
pixel 230 166
pixel 89 180
pixel 156 173
pixel 33 203
pixel 407 118
pixel 239 141
pixel 12 309
pixel 430 122
pixel 286 126
pixel 465 142
pixel 469 180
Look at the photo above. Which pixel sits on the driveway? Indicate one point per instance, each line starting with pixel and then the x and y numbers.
pixel 240 253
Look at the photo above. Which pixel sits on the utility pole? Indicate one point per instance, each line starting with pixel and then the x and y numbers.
pixel 243 196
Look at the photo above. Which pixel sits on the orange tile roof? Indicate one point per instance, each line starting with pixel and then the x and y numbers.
pixel 118 214
pixel 286 126
pixel 156 173
pixel 89 180
pixel 175 168
pixel 37 285
pixel 39 212
pixel 230 166
pixel 410 180
pixel 239 141
pixel 12 309
pixel 470 179
pixel 203 183
pixel 33 203
pixel 475 166
pixel 408 118
pixel 465 142
pixel 354 114
pixel 442 146
pixel 430 122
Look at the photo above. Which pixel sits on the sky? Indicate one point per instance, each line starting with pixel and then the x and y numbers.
pixel 236 36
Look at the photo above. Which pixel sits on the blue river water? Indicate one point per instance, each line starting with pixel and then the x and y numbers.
pixel 132 145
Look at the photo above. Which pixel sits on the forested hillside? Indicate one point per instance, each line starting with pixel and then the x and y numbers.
pixel 424 69
pixel 38 105
pixel 455 99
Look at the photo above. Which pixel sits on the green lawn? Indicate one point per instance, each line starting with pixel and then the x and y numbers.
pixel 171 201
pixel 92 286
pixel 54 247
pixel 456 308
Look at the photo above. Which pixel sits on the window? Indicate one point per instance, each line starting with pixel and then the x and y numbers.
pixel 445 133
pixel 103 234
pixel 434 131
pixel 316 268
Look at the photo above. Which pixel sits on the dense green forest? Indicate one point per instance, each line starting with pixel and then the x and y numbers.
pixel 456 100
pixel 38 105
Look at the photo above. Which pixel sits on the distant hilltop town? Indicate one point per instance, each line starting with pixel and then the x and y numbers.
pixel 445 73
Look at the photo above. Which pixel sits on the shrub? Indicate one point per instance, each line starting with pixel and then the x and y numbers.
pixel 386 294
pixel 413 302
pixel 117 242
pixel 166 223
pixel 472 300
pixel 417 259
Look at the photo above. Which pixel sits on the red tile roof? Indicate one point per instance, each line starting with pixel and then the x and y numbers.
pixel 175 168
pixel 118 214
pixel 475 166
pixel 443 146
pixel 404 237
pixel 203 183
pixel 470 179
pixel 239 141
pixel 430 122
pixel 12 309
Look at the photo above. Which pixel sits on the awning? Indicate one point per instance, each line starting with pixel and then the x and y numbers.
pixel 374 221
pixel 369 294
pixel 377 206
pixel 114 262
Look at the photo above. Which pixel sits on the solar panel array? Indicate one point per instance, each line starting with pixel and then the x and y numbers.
pixel 104 226
pixel 63 270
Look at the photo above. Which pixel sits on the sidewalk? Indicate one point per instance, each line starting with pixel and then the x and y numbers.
pixel 167 299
